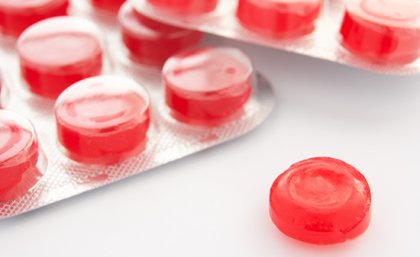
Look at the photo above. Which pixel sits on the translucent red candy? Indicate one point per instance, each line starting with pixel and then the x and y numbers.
pixel 186 6
pixel 279 18
pixel 18 156
pixel 207 86
pixel 17 15
pixel 382 31
pixel 58 52
pixel 150 42
pixel 103 120
pixel 321 201
pixel 108 5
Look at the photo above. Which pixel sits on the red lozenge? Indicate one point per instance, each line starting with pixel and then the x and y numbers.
pixel 382 31
pixel 150 42
pixel 17 15
pixel 18 156
pixel 279 18
pixel 111 6
pixel 207 86
pixel 58 52
pixel 321 201
pixel 103 120
pixel 189 7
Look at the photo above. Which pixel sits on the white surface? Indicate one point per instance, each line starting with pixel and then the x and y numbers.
pixel 215 203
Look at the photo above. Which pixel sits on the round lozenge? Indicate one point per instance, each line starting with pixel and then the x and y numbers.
pixel 321 201
pixel 17 15
pixel 57 52
pixel 382 31
pixel 18 156
pixel 207 86
pixel 150 42
pixel 279 18
pixel 103 120
pixel 186 6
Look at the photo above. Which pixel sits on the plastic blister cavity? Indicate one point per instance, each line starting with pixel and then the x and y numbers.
pixel 103 120
pixel 383 31
pixel 283 19
pixel 19 155
pixel 207 86
pixel 57 52
pixel 150 42
pixel 190 7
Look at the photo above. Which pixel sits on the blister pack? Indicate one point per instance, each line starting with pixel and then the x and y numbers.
pixel 377 35
pixel 88 99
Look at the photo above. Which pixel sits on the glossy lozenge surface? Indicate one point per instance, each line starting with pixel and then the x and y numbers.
pixel 58 52
pixel 186 6
pixel 150 42
pixel 103 120
pixel 279 18
pixel 386 31
pixel 321 201
pixel 111 6
pixel 207 86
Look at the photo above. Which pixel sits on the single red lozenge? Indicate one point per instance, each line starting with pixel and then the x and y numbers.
pixel 18 156
pixel 279 18
pixel 185 6
pixel 17 15
pixel 150 42
pixel 57 52
pixel 207 86
pixel 103 120
pixel 321 201
pixel 107 5
pixel 382 31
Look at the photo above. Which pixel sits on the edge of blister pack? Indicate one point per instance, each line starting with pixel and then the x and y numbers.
pixel 322 44
pixel 65 178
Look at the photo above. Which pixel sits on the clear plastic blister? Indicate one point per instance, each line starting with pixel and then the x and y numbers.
pixel 57 52
pixel 121 113
pixel 376 35
pixel 21 160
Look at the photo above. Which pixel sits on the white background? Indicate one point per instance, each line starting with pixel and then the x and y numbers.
pixel 215 203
